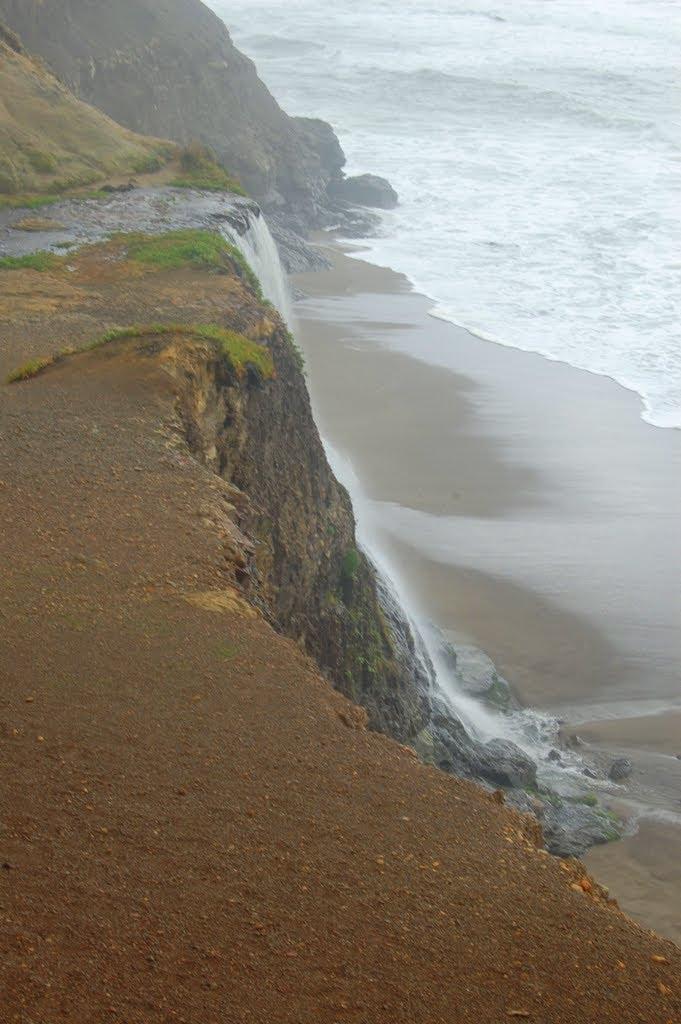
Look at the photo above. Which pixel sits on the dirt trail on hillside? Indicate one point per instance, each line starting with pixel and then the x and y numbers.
pixel 193 826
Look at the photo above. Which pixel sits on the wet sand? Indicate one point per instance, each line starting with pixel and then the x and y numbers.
pixel 525 507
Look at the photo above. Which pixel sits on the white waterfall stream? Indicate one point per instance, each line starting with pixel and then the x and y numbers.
pixel 260 251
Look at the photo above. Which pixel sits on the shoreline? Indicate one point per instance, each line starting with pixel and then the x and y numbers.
pixel 453 475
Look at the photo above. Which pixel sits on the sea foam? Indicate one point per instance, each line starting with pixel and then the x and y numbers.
pixel 536 150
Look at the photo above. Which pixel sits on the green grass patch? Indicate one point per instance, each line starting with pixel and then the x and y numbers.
pixel 588 799
pixel 30 369
pixel 189 248
pixel 227 652
pixel 149 164
pixel 27 202
pixel 238 351
pixel 43 163
pixel 219 181
pixel 32 261
pixel 200 170
pixel 296 352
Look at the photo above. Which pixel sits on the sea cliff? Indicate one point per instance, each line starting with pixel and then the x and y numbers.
pixel 195 825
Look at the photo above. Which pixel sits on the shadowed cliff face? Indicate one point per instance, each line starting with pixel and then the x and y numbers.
pixel 170 69
pixel 301 565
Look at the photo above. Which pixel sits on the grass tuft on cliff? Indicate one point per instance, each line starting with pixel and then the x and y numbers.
pixel 206 250
pixel 200 170
pixel 239 352
pixel 189 248
pixel 41 261
pixel 30 369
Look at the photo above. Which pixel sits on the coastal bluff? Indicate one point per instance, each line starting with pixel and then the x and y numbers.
pixel 195 826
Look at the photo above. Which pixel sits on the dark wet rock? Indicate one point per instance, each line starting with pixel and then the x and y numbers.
pixel 297 255
pixel 128 187
pixel 526 803
pixel 148 210
pixel 450 746
pixel 477 676
pixel 365 190
pixel 573 741
pixel 589 772
pixel 554 755
pixel 504 762
pixel 620 769
pixel 570 829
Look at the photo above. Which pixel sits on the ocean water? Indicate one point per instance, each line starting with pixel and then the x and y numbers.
pixel 536 147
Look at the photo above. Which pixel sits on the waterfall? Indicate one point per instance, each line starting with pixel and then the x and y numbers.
pixel 260 251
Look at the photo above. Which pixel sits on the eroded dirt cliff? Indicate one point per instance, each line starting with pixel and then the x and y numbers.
pixel 194 825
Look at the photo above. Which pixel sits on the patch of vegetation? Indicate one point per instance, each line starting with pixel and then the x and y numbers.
pixel 226 652
pixel 32 261
pixel 189 247
pixel 30 369
pixel 348 572
pixel 200 170
pixel 28 202
pixel 77 181
pixel 43 163
pixel 589 799
pixel 239 352
pixel 148 164
pixel 297 353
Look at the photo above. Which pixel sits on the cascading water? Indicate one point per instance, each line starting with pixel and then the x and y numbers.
pixel 533 732
pixel 260 251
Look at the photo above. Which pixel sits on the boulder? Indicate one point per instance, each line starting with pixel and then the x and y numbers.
pixel 476 674
pixel 506 764
pixel 620 769
pixel 570 829
pixel 365 190
pixel 499 761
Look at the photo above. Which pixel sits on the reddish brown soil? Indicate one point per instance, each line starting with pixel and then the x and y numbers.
pixel 193 826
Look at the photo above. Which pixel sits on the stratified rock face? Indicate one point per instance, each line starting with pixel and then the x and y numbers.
pixel 172 71
pixel 366 190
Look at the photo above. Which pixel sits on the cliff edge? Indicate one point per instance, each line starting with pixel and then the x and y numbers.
pixel 195 826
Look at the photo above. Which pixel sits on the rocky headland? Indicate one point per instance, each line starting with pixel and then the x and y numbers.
pixel 173 72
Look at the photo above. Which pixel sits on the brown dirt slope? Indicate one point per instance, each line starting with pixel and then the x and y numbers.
pixel 193 826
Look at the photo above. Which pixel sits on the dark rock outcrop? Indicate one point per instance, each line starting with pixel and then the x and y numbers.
pixel 365 190
pixel 448 744
pixel 570 829
pixel 620 769
pixel 301 566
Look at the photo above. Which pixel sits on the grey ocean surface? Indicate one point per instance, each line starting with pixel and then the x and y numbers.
pixel 536 150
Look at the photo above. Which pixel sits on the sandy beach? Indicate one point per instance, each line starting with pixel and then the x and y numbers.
pixel 526 508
